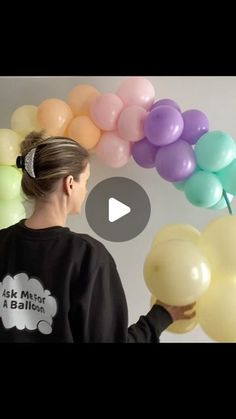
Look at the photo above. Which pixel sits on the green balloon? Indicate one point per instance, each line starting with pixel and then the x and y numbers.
pixel 11 212
pixel 215 150
pixel 227 177
pixel 10 182
pixel 222 203
pixel 203 189
pixel 179 185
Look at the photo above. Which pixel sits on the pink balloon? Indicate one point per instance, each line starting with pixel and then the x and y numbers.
pixel 131 123
pixel 112 150
pixel 105 111
pixel 137 91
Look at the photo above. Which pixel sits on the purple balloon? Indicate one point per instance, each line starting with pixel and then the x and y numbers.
pixel 144 153
pixel 168 102
pixel 163 125
pixel 176 162
pixel 196 124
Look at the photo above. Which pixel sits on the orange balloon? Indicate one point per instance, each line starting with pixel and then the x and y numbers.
pixel 81 98
pixel 54 116
pixel 83 130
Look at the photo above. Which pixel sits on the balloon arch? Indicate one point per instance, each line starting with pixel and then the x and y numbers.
pixel 180 146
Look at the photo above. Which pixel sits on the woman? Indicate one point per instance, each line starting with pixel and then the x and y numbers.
pixel 57 285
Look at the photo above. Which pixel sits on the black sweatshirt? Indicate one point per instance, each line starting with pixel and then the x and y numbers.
pixel 60 286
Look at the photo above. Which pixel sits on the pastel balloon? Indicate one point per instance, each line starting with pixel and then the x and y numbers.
pixel 177 272
pixel 177 231
pixel 218 242
pixel 113 150
pixel 217 310
pixel 144 153
pixel 163 125
pixel 81 98
pixel 227 177
pixel 24 120
pixel 168 102
pixel 9 146
pixel 137 91
pixel 179 185
pixel 54 116
pixel 196 124
pixel 215 150
pixel 10 182
pixel 131 122
pixel 83 130
pixel 11 212
pixel 221 204
pixel 203 189
pixel 175 162
pixel 105 111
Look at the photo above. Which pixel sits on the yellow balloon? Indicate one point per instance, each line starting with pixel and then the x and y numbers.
pixel 218 243
pixel 183 326
pixel 177 272
pixel 9 146
pixel 180 326
pixel 217 310
pixel 24 120
pixel 177 231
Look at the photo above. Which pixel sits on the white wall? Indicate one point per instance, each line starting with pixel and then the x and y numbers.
pixel 216 96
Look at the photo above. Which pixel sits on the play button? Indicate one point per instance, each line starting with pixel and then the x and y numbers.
pixel 118 209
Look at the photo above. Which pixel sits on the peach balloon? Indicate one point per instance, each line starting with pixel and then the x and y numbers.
pixel 81 98
pixel 84 131
pixel 54 116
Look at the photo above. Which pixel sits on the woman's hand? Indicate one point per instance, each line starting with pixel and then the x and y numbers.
pixel 179 313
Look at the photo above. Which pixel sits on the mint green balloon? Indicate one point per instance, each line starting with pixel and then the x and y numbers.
pixel 215 150
pixel 227 177
pixel 203 189
pixel 10 182
pixel 179 185
pixel 222 203
pixel 11 212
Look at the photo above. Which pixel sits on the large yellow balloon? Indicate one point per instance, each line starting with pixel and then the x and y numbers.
pixel 177 272
pixel 217 310
pixel 54 116
pixel 218 243
pixel 180 326
pixel 24 120
pixel 11 212
pixel 177 231
pixel 9 146
pixel 81 98
pixel 83 130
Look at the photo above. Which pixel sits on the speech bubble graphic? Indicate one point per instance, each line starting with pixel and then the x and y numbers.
pixel 25 304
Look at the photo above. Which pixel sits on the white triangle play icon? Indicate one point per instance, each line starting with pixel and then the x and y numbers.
pixel 117 210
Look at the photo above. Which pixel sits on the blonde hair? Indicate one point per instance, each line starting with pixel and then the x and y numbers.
pixel 55 158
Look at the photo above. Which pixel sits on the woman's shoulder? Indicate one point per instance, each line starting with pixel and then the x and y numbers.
pixel 93 246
